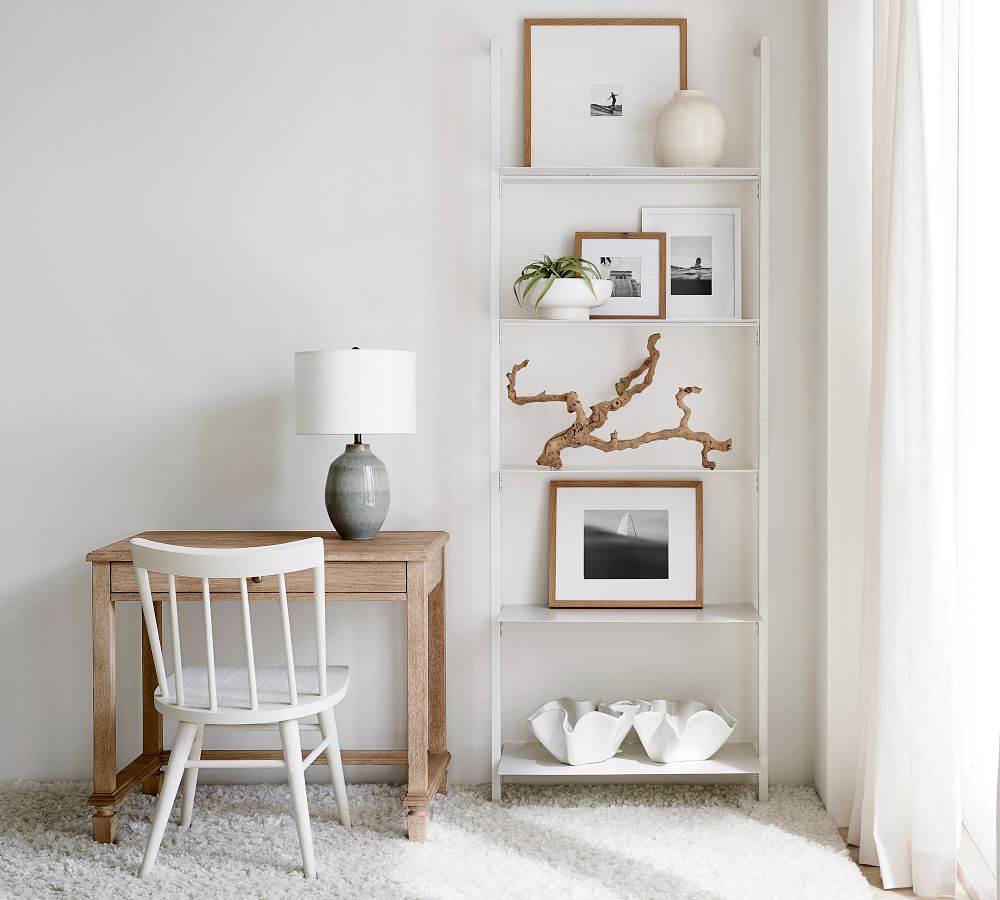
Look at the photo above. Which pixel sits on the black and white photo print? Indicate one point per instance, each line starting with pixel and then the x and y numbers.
pixel 691 265
pixel 704 259
pixel 605 99
pixel 636 266
pixel 624 273
pixel 626 544
pixel 577 73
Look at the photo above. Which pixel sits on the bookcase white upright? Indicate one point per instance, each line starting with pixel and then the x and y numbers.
pixel 716 653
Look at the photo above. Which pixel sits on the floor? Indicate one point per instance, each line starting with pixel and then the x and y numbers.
pixel 621 842
pixel 874 877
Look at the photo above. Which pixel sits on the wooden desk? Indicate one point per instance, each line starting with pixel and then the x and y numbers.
pixel 396 565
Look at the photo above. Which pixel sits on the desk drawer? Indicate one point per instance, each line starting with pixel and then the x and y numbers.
pixel 342 577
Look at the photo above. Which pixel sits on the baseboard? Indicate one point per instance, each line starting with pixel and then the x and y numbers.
pixel 973 871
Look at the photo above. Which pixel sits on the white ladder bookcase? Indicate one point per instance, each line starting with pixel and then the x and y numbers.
pixel 745 759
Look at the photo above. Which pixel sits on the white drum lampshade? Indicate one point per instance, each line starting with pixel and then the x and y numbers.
pixel 356 392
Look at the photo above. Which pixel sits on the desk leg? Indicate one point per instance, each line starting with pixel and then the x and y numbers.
pixel 152 722
pixel 436 692
pixel 416 799
pixel 105 821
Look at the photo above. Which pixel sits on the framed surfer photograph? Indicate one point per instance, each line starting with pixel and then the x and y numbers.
pixel 703 260
pixel 593 88
pixel 636 265
pixel 625 544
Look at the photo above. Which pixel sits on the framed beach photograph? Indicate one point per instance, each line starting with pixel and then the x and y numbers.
pixel 625 544
pixel 703 260
pixel 636 265
pixel 593 88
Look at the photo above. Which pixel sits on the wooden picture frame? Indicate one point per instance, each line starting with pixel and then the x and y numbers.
pixel 657 237
pixel 647 523
pixel 681 84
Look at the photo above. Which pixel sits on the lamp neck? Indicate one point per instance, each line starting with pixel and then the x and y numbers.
pixel 357 438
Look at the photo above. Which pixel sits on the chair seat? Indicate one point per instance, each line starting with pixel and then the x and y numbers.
pixel 233 694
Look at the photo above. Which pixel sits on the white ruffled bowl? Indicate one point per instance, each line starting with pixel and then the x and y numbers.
pixel 580 732
pixel 682 730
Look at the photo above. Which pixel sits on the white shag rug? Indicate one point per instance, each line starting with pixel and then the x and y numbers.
pixel 594 842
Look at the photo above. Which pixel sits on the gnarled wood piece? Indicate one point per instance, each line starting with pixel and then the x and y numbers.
pixel 581 432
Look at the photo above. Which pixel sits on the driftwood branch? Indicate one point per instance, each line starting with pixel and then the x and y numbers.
pixel 581 432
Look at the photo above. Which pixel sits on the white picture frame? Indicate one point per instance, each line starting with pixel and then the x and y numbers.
pixel 693 232
pixel 625 544
pixel 572 70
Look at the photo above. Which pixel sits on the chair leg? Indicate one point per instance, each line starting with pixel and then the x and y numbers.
pixel 186 732
pixel 191 780
pixel 291 745
pixel 328 728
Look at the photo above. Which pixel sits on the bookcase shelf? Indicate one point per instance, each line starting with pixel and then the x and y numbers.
pixel 530 759
pixel 517 490
pixel 710 614
pixel 650 175
pixel 532 469
pixel 525 321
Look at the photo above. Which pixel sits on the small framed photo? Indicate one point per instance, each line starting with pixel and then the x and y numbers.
pixel 636 265
pixel 593 88
pixel 625 544
pixel 703 260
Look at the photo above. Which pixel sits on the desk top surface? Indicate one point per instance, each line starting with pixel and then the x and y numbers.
pixel 388 546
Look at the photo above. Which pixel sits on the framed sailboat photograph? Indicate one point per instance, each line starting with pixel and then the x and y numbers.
pixel 625 543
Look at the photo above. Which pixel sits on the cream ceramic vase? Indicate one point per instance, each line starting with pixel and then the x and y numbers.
pixel 690 131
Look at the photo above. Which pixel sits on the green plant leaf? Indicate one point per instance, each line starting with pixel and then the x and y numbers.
pixel 546 267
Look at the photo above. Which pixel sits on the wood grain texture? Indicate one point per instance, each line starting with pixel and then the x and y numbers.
pixel 437 772
pixel 105 821
pixel 435 570
pixel 386 546
pixel 582 433
pixel 135 772
pixel 437 692
pixel 152 722
pixel 416 677
pixel 566 603
pixel 680 24
pixel 342 577
pixel 417 822
pixel 658 236
pixel 418 554
pixel 528 23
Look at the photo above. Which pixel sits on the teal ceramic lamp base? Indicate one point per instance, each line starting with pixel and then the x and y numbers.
pixel 357 493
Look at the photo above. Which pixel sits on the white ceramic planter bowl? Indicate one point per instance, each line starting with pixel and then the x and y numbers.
pixel 682 730
pixel 569 299
pixel 580 732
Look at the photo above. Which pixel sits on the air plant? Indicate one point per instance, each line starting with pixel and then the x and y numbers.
pixel 550 269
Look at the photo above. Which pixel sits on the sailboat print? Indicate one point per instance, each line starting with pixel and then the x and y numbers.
pixel 626 543
pixel 626 527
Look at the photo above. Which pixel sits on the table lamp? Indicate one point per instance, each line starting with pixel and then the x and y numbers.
pixel 356 392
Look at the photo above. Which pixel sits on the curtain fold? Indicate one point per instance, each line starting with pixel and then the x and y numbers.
pixel 906 816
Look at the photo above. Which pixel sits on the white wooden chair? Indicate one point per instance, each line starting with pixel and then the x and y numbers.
pixel 241 697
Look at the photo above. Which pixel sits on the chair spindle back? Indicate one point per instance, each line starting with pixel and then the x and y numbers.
pixel 243 563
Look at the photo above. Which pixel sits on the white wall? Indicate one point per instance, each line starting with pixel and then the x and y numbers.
pixel 191 193
pixel 845 351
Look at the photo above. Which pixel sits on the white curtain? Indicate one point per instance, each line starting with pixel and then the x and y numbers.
pixel 906 816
